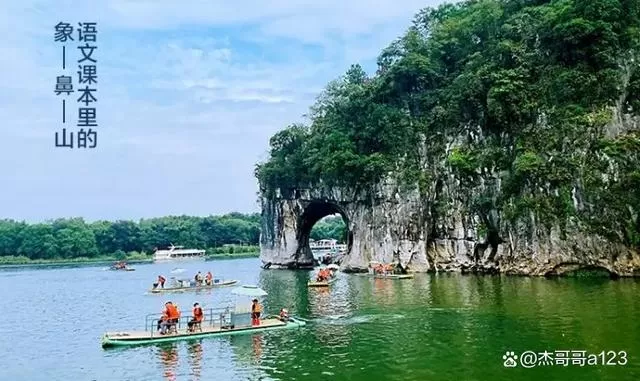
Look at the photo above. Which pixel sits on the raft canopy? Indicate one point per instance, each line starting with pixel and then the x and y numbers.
pixel 247 291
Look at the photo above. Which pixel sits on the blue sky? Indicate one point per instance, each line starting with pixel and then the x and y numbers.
pixel 189 93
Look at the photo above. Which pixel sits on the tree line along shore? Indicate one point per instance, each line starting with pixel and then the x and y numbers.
pixel 73 240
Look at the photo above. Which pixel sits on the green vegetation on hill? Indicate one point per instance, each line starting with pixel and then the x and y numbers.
pixel 74 239
pixel 524 90
pixel 330 227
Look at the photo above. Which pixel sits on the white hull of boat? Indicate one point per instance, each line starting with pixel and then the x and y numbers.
pixel 181 259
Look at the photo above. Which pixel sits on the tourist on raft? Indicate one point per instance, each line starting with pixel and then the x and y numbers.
pixel 198 278
pixel 160 282
pixel 209 278
pixel 256 309
pixel 198 316
pixel 323 275
pixel 284 315
pixel 170 317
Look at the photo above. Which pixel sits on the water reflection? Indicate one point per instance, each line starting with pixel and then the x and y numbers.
pixel 195 358
pixel 248 354
pixel 286 290
pixel 168 355
pixel 320 303
pixel 257 347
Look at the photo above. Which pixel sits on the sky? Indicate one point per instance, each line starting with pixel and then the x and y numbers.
pixel 188 94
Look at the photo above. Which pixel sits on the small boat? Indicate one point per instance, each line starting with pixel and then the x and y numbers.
pixel 327 283
pixel 177 271
pixel 387 271
pixel 179 287
pixel 118 339
pixel 112 268
pixel 121 266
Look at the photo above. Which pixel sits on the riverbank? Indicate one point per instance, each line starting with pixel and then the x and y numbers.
pixel 66 262
pixel 21 261
pixel 249 254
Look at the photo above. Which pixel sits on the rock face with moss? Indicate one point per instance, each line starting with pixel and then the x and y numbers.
pixel 496 136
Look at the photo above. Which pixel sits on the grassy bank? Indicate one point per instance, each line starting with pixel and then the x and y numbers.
pixel 233 251
pixel 107 259
pixel 225 252
pixel 233 256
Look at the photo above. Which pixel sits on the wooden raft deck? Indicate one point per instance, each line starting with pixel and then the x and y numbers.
pixel 390 276
pixel 206 329
pixel 394 276
pixel 194 288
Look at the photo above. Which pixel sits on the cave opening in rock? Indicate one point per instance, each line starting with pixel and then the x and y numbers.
pixel 327 225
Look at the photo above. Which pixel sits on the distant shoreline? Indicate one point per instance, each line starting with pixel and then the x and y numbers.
pixel 109 261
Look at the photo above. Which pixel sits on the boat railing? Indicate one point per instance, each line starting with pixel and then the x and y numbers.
pixel 212 317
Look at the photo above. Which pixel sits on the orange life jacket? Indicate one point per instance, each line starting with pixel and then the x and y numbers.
pixel 172 312
pixel 197 314
pixel 256 308
pixel 209 276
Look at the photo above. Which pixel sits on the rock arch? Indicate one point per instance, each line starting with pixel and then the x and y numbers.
pixel 312 213
pixel 428 232
pixel 378 229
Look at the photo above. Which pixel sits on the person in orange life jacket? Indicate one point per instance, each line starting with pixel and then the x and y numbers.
pixel 171 316
pixel 198 316
pixel 256 309
pixel 323 275
pixel 209 278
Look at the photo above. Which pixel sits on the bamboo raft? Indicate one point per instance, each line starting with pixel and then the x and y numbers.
pixel 312 283
pixel 119 339
pixel 223 283
pixel 389 276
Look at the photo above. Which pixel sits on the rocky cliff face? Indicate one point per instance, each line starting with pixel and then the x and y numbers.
pixel 495 136
pixel 437 229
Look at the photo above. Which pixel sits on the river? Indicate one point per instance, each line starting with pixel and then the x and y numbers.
pixel 432 327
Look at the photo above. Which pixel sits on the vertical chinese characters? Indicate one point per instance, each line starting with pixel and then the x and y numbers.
pixel 86 90
pixel 64 83
pixel 87 76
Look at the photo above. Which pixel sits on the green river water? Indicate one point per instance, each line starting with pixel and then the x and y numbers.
pixel 432 327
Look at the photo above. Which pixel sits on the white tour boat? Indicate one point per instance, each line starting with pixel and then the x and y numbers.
pixel 177 253
pixel 325 247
